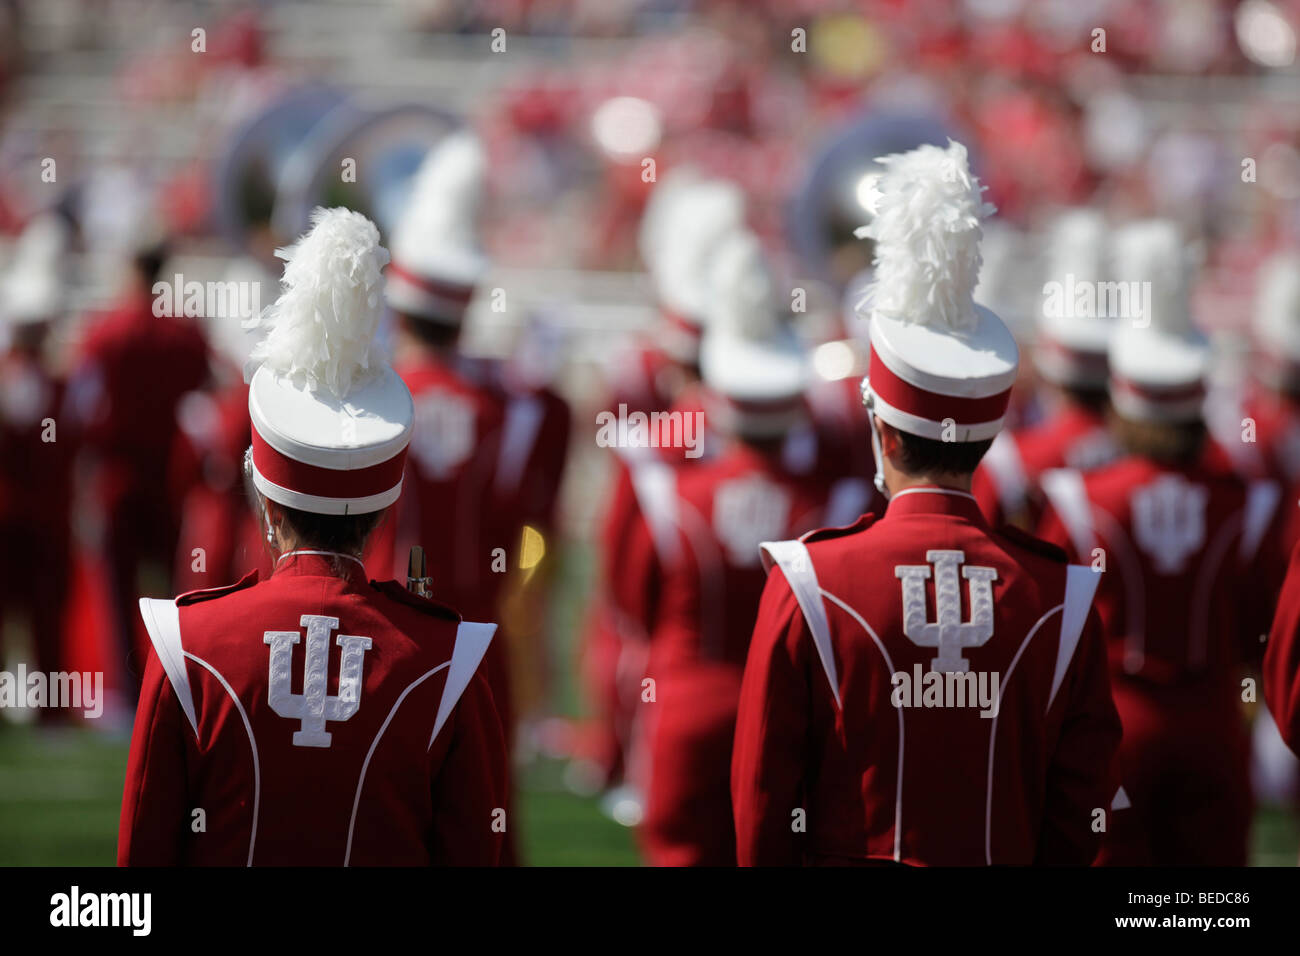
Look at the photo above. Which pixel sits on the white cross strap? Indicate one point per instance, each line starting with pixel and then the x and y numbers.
pixel 796 565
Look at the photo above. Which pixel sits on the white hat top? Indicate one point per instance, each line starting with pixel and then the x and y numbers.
pixel 750 352
pixel 1276 317
pixel 937 358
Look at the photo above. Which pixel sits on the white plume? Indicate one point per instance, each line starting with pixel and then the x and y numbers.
pixel 1277 303
pixel 446 198
pixel 927 209
pixel 320 331
pixel 1075 246
pixel 34 287
pixel 1152 250
pixel 663 210
pixel 710 210
pixel 742 301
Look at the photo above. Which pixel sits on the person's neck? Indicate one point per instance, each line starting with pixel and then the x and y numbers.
pixel 898 481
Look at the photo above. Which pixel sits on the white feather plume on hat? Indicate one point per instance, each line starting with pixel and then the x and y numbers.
pixel 438 234
pixel 1276 317
pixel 710 210
pixel 663 211
pixel 750 351
pixel 34 287
pixel 926 209
pixel 320 332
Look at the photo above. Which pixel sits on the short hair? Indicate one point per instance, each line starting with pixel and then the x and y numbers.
pixel 1169 443
pixel 929 456
pixel 344 534
pixel 438 335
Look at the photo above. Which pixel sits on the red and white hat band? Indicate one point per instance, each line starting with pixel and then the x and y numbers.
pixel 431 298
pixel 325 490
pixel 925 413
pixel 1177 403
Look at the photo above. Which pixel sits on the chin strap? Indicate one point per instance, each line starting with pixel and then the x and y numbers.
pixel 876 453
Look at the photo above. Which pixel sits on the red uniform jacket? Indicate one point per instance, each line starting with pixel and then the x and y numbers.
pixel 314 720
pixel 689 577
pixel 1007 480
pixel 1282 659
pixel 843 751
pixel 1186 592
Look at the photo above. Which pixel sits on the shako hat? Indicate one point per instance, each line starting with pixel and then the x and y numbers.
pixel 438 259
pixel 1158 359
pixel 941 366
pixel 331 419
pixel 750 355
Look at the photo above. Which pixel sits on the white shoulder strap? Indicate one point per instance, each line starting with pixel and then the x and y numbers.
pixel 519 434
pixel 1261 501
pixel 162 621
pixel 796 565
pixel 1064 488
pixel 655 484
pixel 472 642
pixel 1008 472
pixel 1080 588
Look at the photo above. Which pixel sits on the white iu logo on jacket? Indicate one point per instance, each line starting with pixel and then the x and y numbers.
pixel 313 707
pixel 949 633
pixel 747 512
pixel 444 433
pixel 1169 521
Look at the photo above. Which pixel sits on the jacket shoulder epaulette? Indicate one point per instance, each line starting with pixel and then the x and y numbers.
pixel 210 594
pixel 399 594
pixel 1030 543
pixel 826 534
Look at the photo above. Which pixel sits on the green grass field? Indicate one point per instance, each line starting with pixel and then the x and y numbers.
pixel 59 800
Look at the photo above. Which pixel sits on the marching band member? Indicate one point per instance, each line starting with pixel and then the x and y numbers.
pixel 921 688
pixel 1181 544
pixel 37 444
pixel 690 574
pixel 685 221
pixel 392 751
pixel 1070 355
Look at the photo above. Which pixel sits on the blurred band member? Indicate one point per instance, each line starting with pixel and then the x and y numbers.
pixel 137 362
pixel 1181 546
pixel 690 573
pixel 37 443
pixel 920 688
pixel 686 219
pixel 390 751
pixel 1070 354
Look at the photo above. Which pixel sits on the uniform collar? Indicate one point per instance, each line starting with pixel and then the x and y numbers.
pixel 317 563
pixel 933 500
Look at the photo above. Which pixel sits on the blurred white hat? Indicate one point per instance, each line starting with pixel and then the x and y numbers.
pixel 1158 359
pixel 700 215
pixel 1276 319
pixel 438 258
pixel 1074 342
pixel 331 419
pixel 34 287
pixel 750 354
